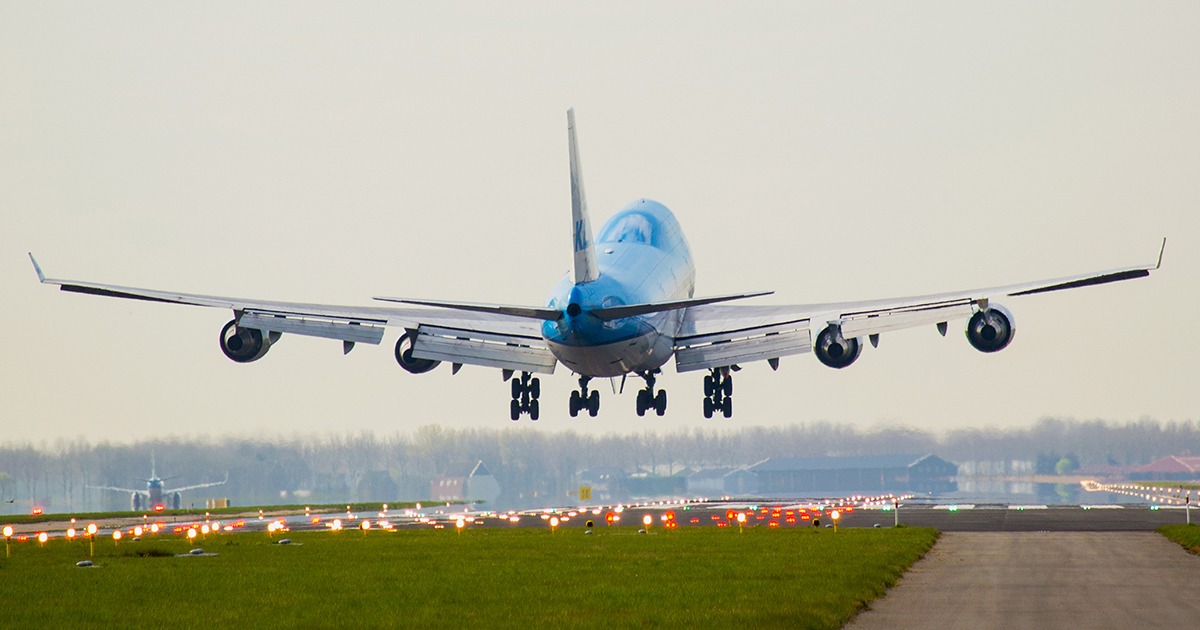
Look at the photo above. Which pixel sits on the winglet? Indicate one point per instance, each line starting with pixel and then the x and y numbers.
pixel 1156 265
pixel 37 268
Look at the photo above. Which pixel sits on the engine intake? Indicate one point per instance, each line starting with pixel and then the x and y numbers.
pixel 404 356
pixel 992 329
pixel 244 345
pixel 835 350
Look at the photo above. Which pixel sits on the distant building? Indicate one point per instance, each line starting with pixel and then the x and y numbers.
pixel 781 476
pixel 605 482
pixel 1170 468
pixel 720 482
pixel 465 481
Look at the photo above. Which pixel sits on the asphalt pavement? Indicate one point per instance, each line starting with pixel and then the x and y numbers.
pixel 1044 580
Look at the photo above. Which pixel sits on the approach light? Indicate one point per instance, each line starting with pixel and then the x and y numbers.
pixel 158 507
pixel 116 535
pixel 8 531
pixel 337 525
pixel 204 529
pixel 553 523
pixel 647 520
pixel 92 529
pixel 154 527
pixel 741 517
pixel 191 534
pixel 365 525
pixel 43 537
pixel 37 511
pixel 71 533
pixel 137 531
pixel 460 523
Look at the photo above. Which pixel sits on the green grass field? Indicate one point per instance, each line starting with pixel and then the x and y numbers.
pixel 1186 535
pixel 801 578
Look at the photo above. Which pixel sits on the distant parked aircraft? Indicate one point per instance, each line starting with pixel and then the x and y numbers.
pixel 626 307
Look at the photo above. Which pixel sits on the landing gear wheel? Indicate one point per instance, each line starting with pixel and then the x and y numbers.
pixel 727 407
pixel 593 404
pixel 641 402
pixel 514 410
pixel 728 386
pixel 708 408
pixel 708 385
pixel 575 404
pixel 535 388
pixel 660 402
pixel 534 409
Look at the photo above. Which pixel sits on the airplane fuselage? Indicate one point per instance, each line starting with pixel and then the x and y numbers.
pixel 643 257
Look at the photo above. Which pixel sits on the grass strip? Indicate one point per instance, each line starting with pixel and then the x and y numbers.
pixel 800 578
pixel 1186 535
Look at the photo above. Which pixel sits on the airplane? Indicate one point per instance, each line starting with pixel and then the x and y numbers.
pixel 153 497
pixel 626 307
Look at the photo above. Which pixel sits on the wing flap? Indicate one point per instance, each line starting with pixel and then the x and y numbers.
pixel 888 321
pixel 742 346
pixel 312 326
pixel 506 352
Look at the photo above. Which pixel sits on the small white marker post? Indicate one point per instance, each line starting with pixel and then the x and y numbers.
pixel 1187 506
pixel 896 511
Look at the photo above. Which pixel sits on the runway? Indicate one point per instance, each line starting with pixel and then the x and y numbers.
pixel 1043 580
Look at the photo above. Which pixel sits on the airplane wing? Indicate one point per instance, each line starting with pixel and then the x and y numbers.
pixel 719 335
pixel 115 489
pixel 201 485
pixel 492 339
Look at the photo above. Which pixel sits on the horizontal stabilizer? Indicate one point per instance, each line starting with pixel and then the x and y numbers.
pixel 632 310
pixel 528 312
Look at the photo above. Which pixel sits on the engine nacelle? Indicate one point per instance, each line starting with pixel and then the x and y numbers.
pixel 835 350
pixel 992 329
pixel 411 364
pixel 244 344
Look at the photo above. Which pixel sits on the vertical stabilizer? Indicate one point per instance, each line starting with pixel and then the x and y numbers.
pixel 584 265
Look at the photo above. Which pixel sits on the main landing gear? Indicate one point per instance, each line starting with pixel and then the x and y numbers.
pixel 718 393
pixel 581 399
pixel 525 392
pixel 647 399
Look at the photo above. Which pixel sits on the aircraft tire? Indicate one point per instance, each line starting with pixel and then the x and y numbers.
pixel 660 402
pixel 708 408
pixel 514 410
pixel 727 407
pixel 534 409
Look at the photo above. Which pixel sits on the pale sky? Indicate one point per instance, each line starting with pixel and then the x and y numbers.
pixel 329 152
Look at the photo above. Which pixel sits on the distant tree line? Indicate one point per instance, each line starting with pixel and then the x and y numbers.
pixel 533 466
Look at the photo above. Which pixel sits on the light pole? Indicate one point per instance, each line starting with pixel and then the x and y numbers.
pixel 8 532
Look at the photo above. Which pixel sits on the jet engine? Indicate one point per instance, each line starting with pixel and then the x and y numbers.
pixel 991 329
pixel 835 350
pixel 411 364
pixel 244 344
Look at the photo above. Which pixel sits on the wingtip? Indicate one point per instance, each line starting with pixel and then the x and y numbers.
pixel 1160 253
pixel 37 268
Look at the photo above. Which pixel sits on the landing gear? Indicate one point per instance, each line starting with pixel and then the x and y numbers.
pixel 582 399
pixel 525 393
pixel 647 399
pixel 718 393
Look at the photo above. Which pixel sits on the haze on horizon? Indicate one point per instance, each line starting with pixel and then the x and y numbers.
pixel 324 153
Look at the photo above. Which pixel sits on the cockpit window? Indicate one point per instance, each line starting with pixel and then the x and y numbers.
pixel 631 228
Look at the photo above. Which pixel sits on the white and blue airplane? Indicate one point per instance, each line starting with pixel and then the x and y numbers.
pixel 627 307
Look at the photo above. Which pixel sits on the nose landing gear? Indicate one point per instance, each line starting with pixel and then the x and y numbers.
pixel 582 399
pixel 525 393
pixel 718 393
pixel 647 399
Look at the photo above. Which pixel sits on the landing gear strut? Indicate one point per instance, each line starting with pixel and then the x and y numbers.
pixel 718 393
pixel 647 399
pixel 582 399
pixel 525 393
